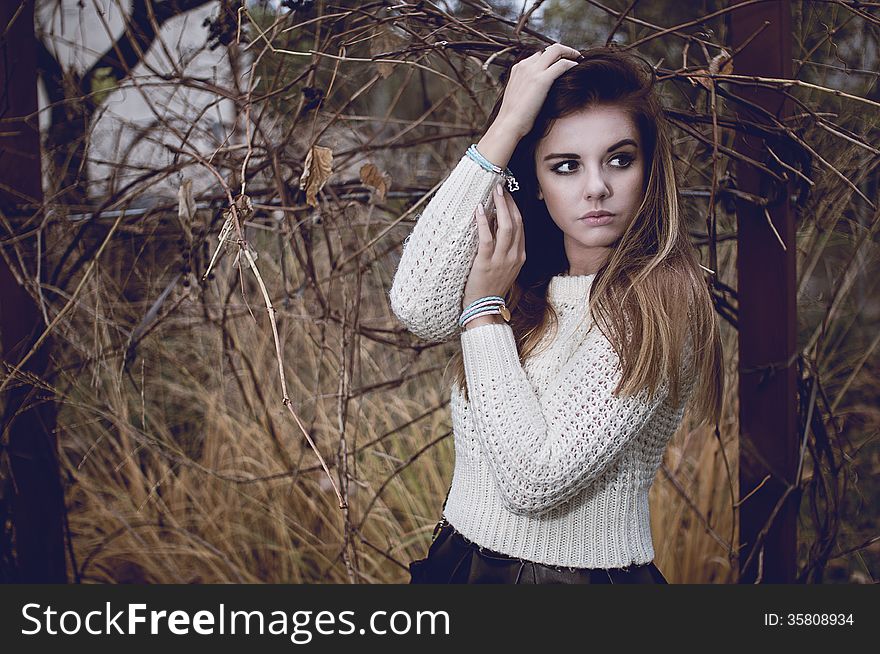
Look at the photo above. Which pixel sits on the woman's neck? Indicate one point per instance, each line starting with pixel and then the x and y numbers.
pixel 567 273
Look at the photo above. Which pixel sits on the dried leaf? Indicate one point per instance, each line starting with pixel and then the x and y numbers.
pixel 228 236
pixel 313 97
pixel 242 260
pixel 721 63
pixel 370 176
pixel 228 227
pixel 245 208
pixel 186 209
pixel 316 171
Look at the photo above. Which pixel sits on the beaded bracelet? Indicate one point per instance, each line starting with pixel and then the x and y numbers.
pixel 481 303
pixel 474 154
pixel 492 304
pixel 485 312
pixel 486 306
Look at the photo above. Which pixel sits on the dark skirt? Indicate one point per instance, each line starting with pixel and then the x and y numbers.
pixel 453 559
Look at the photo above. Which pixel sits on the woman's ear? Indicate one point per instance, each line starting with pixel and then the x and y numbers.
pixel 540 194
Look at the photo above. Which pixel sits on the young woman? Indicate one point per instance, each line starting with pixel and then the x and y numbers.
pixel 585 323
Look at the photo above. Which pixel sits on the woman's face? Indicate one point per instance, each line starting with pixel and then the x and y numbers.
pixel 591 161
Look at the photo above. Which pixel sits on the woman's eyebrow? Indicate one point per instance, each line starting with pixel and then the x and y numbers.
pixel 572 155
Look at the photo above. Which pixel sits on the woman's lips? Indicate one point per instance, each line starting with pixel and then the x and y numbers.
pixel 598 220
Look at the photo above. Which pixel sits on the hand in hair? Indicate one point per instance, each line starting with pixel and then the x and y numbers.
pixel 528 85
pixel 501 255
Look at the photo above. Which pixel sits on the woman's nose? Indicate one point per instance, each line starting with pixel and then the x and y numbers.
pixel 596 186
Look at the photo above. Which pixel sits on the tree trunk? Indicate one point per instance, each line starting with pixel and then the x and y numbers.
pixel 32 496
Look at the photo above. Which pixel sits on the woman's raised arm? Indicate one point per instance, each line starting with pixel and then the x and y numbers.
pixel 428 286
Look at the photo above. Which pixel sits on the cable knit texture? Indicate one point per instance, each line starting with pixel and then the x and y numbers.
pixel 550 466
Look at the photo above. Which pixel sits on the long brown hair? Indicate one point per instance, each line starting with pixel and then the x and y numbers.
pixel 650 294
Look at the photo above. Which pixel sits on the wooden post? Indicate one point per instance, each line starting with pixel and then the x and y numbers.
pixel 767 309
pixel 36 501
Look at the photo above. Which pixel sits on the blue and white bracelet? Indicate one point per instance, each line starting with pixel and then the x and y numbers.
pixel 492 304
pixel 474 154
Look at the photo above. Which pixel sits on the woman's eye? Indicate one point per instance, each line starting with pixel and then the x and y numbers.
pixel 626 160
pixel 564 172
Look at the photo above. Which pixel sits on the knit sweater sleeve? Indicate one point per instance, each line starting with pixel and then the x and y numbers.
pixel 544 450
pixel 428 286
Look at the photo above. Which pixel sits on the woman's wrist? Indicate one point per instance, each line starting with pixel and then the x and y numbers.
pixel 483 320
pixel 507 125
pixel 468 300
pixel 498 143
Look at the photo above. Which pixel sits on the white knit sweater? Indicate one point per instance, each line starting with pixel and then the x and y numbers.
pixel 549 465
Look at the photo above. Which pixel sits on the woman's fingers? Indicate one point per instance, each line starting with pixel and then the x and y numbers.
pixel 559 50
pixel 485 245
pixel 519 238
pixel 559 67
pixel 504 223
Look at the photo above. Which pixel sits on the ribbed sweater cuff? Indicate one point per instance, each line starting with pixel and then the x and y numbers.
pixel 489 353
